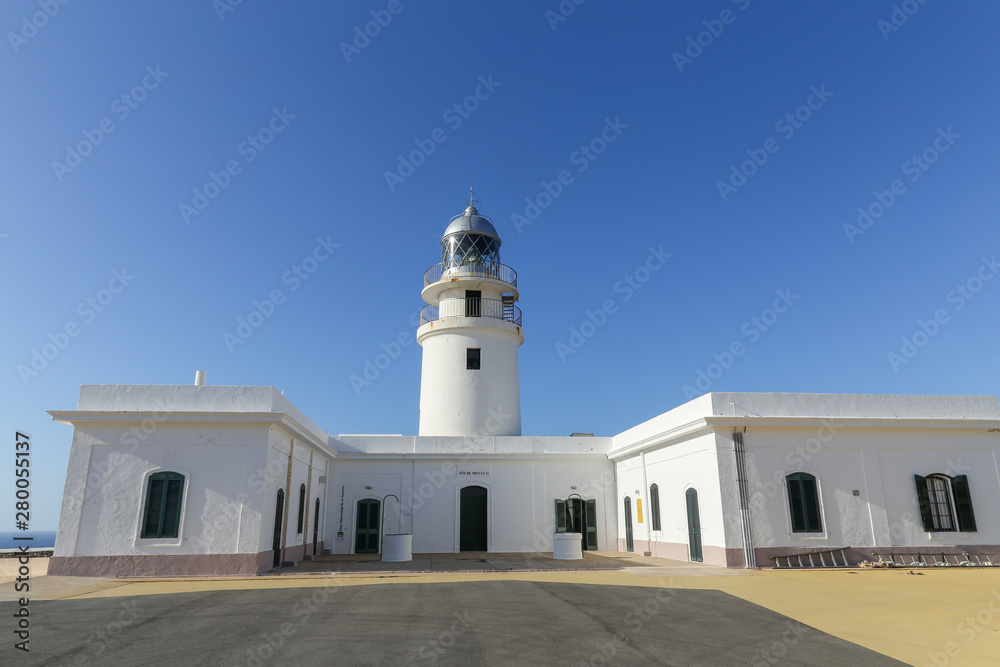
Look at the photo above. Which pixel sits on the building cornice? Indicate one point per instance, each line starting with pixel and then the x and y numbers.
pixel 471 456
pixel 705 424
pixel 283 419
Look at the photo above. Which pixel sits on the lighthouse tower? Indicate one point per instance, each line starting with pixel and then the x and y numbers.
pixel 470 331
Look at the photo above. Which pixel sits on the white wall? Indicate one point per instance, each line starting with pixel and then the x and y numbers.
pixel 674 468
pixel 456 401
pixel 521 497
pixel 105 491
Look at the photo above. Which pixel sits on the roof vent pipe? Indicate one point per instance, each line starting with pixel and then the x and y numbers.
pixel 199 378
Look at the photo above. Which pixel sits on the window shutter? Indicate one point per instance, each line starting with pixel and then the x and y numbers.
pixel 925 503
pixel 590 521
pixel 796 503
pixel 172 506
pixel 560 516
pixel 154 506
pixel 963 503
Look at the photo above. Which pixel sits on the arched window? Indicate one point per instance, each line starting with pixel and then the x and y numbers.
pixel 654 506
pixel 302 509
pixel 945 503
pixel 803 503
pixel 162 514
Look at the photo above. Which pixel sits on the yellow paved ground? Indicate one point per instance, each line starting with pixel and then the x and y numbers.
pixel 934 617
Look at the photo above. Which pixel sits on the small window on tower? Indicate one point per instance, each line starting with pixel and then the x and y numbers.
pixel 472 358
pixel 473 303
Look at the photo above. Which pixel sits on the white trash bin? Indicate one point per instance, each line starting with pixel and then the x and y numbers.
pixel 397 548
pixel 567 546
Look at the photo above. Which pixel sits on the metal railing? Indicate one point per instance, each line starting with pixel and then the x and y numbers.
pixel 494 270
pixel 491 308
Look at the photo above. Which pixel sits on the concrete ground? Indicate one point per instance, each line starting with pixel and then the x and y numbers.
pixel 643 611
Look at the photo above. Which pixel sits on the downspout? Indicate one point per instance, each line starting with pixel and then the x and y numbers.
pixel 749 555
pixel 288 499
pixel 308 501
pixel 649 510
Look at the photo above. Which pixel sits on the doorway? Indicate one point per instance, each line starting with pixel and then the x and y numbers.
pixel 694 526
pixel 472 520
pixel 279 506
pixel 316 529
pixel 366 533
pixel 576 515
pixel 629 544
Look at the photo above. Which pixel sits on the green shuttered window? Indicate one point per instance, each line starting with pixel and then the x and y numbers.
pixel 803 503
pixel 938 512
pixel 162 515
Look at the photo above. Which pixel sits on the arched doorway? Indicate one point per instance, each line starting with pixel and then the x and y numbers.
pixel 316 529
pixel 367 527
pixel 279 506
pixel 473 516
pixel 694 526
pixel 629 544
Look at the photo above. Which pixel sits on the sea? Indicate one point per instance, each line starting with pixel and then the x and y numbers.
pixel 44 539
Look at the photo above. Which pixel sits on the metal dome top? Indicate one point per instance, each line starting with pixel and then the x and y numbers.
pixel 471 221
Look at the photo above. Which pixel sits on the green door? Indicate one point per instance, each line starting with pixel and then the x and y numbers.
pixel 590 522
pixel 366 535
pixel 629 544
pixel 472 519
pixel 279 508
pixel 694 525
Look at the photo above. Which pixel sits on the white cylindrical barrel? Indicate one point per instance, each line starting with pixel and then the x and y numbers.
pixel 567 546
pixel 397 548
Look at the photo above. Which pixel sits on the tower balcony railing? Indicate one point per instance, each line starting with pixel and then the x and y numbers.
pixel 494 270
pixel 491 308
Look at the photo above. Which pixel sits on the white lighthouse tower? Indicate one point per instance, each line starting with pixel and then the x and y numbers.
pixel 470 331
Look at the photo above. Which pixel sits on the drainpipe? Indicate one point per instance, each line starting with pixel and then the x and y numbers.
pixel 288 498
pixel 749 555
pixel 645 488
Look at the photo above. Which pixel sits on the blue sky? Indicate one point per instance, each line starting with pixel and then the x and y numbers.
pixel 116 113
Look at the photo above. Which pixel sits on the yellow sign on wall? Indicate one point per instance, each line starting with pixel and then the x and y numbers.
pixel 638 508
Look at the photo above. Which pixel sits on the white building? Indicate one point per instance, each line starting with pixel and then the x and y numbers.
pixel 236 480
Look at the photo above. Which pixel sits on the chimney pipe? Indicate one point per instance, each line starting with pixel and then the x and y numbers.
pixel 199 378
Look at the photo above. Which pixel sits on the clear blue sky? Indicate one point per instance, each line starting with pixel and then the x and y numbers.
pixel 346 114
